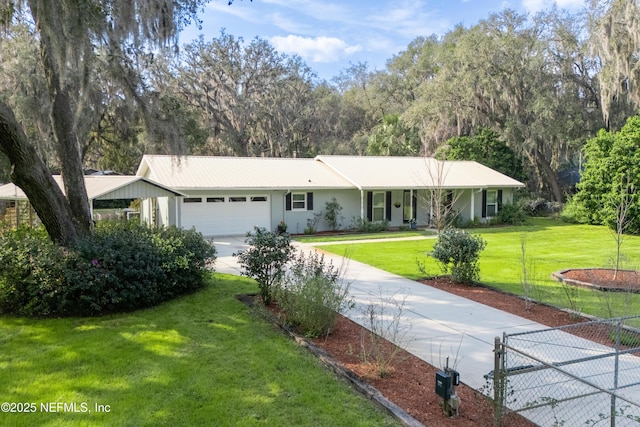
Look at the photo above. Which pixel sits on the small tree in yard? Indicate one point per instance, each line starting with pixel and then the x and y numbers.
pixel 457 252
pixel 265 260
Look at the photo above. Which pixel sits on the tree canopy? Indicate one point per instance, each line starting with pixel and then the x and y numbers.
pixel 611 177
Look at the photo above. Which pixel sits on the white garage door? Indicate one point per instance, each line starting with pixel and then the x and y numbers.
pixel 226 215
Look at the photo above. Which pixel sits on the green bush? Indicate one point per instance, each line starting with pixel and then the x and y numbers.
pixel 32 272
pixel 312 294
pixel 332 213
pixel 366 226
pixel 457 252
pixel 265 259
pixel 574 213
pixel 510 214
pixel 123 266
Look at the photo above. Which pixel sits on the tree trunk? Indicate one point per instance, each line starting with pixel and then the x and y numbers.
pixel 67 145
pixel 550 175
pixel 29 173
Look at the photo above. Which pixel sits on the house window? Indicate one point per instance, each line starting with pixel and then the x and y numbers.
pixel 237 199
pixel 492 203
pixel 378 206
pixel 192 200
pixel 298 201
pixel 259 199
pixel 215 199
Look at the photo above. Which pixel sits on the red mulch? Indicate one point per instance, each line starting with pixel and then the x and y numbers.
pixel 411 381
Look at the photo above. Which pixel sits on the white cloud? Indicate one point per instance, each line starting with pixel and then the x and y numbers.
pixel 316 49
pixel 533 6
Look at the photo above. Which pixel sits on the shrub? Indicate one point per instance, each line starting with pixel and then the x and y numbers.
pixel 574 213
pixel 332 213
pixel 366 226
pixel 31 272
pixel 265 259
pixel 312 223
pixel 123 266
pixel 511 214
pixel 457 252
pixel 312 294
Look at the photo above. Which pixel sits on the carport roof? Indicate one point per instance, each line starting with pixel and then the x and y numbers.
pixel 104 187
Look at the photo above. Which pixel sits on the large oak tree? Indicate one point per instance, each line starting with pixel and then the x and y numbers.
pixel 74 36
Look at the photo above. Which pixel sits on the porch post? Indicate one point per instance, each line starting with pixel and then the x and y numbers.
pixel 473 205
pixel 362 205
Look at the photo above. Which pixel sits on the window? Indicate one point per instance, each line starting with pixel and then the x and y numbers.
pixel 259 199
pixel 215 199
pixel 192 200
pixel 237 199
pixel 298 201
pixel 492 203
pixel 378 206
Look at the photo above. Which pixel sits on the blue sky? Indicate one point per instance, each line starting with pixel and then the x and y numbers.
pixel 331 35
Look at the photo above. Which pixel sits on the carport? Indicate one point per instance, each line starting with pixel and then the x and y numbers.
pixel 17 208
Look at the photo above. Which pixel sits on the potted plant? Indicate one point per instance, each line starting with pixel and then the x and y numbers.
pixel 282 228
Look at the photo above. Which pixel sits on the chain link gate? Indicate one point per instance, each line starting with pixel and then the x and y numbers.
pixel 583 374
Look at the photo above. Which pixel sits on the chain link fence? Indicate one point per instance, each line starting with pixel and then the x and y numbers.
pixel 584 374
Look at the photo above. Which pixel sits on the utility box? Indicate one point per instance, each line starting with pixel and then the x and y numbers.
pixel 443 384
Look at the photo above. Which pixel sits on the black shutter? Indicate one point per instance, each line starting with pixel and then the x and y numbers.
pixel 387 206
pixel 415 205
pixel 287 201
pixel 484 203
pixel 309 201
pixel 499 200
pixel 369 205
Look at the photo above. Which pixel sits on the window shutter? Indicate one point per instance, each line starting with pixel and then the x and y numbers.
pixel 484 203
pixel 387 206
pixel 287 201
pixel 415 205
pixel 309 201
pixel 499 200
pixel 369 205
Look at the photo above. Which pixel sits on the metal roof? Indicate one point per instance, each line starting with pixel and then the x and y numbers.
pixel 415 172
pixel 104 187
pixel 322 172
pixel 199 172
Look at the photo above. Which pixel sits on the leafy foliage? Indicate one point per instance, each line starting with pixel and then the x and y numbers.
pixel 458 251
pixel 312 294
pixel 265 259
pixel 124 266
pixel 611 173
pixel 487 148
pixel 366 226
pixel 332 211
pixel 510 214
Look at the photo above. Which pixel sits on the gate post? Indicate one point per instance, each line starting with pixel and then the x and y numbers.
pixel 498 382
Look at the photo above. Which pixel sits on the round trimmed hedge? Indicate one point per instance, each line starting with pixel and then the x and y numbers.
pixel 122 266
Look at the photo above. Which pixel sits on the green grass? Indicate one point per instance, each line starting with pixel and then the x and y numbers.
pixel 550 246
pixel 204 359
pixel 362 236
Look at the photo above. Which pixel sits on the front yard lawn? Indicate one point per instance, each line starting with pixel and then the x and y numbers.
pixel 203 359
pixel 550 245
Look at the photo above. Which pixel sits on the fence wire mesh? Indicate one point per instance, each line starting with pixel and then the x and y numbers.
pixel 582 374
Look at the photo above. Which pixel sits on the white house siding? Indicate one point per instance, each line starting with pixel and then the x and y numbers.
pixel 296 220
